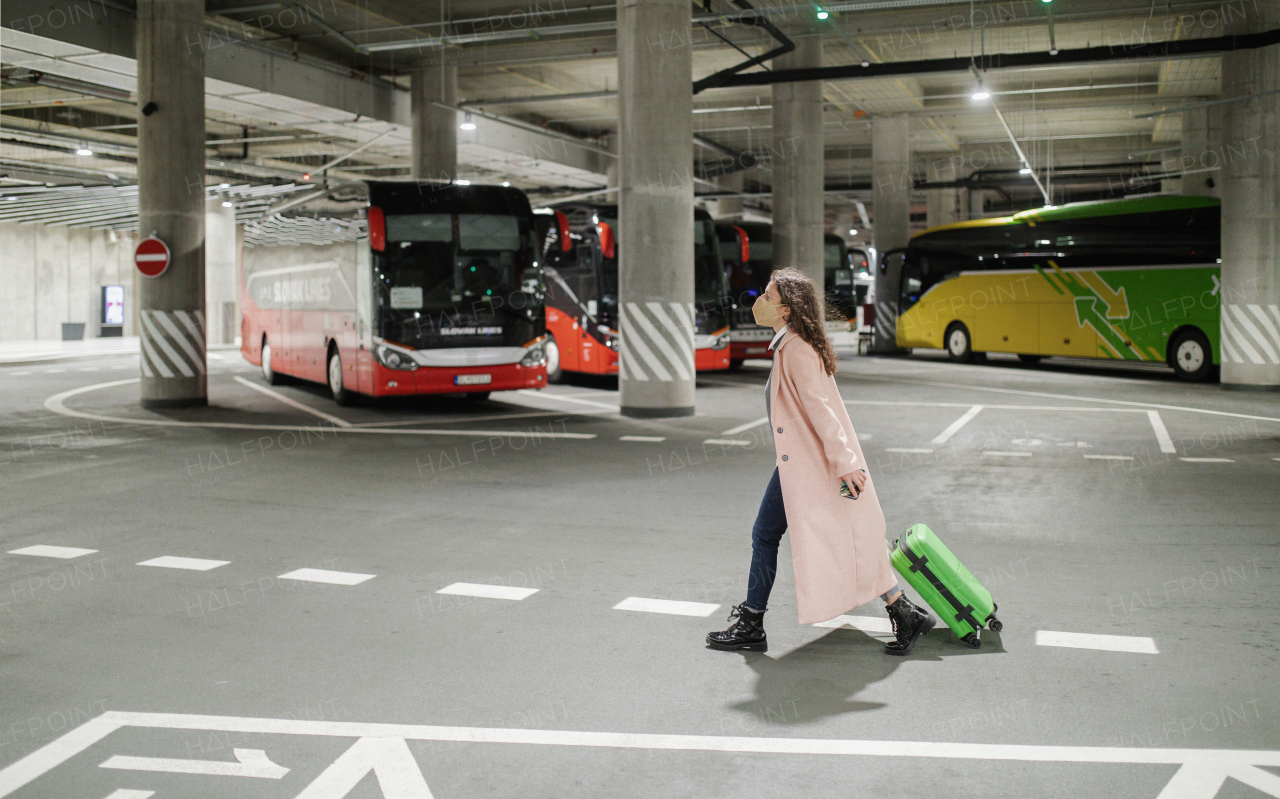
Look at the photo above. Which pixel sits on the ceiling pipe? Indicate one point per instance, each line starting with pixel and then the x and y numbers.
pixel 1163 51
pixel 785 46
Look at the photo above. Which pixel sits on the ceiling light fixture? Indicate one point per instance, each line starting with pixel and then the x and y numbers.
pixel 226 203
pixel 467 124
pixel 822 14
pixel 506 184
pixel 981 93
pixel 1026 170
pixel 853 232
pixel 84 151
pixel 462 182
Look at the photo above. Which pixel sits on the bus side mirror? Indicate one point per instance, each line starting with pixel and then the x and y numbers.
pixel 746 244
pixel 562 227
pixel 607 248
pixel 377 229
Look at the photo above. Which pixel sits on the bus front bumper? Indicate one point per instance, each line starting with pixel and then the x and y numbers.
pixel 456 380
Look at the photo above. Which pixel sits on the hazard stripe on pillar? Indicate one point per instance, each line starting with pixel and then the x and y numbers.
pixel 1251 334
pixel 173 343
pixel 657 341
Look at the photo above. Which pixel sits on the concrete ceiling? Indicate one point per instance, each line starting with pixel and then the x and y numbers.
pixel 305 82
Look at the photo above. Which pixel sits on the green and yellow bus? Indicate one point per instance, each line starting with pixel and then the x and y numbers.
pixel 1134 280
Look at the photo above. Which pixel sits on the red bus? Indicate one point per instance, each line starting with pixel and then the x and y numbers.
pixel 443 295
pixel 580 251
pixel 747 250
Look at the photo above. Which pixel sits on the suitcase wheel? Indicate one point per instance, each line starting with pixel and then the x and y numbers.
pixel 994 607
pixel 973 640
pixel 994 624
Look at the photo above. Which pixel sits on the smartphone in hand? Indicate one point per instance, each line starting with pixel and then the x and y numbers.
pixel 845 492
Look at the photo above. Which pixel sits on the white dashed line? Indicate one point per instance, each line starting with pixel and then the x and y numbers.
pixel 564 398
pixel 54 371
pixel 292 403
pixel 1207 460
pixel 1004 454
pixel 130 793
pixel 88 368
pixel 728 442
pixel 47 551
pixel 674 607
pixel 908 450
pixel 326 576
pixel 1109 457
pixel 488 591
pixel 652 439
pixel 733 431
pixel 19 374
pixel 868 624
pixel 946 435
pixel 1108 643
pixel 193 564
pixel 1162 433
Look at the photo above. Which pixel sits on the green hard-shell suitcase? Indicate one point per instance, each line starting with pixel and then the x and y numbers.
pixel 949 588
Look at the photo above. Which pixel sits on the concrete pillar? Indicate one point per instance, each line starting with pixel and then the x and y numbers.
pixel 220 287
pixel 730 207
pixel 435 129
pixel 978 203
pixel 891 196
pixel 1202 150
pixel 798 166
pixel 171 203
pixel 612 170
pixel 1251 209
pixel 655 269
pixel 942 205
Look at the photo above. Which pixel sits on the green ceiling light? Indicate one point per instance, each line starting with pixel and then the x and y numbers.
pixel 822 14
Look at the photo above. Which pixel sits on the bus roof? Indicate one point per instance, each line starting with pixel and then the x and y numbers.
pixel 1086 210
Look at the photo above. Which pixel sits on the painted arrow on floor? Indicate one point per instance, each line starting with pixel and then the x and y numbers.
pixel 252 763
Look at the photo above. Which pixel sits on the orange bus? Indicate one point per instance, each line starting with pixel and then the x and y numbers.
pixel 443 294
pixel 580 251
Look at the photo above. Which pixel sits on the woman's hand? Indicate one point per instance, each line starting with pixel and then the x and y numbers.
pixel 856 481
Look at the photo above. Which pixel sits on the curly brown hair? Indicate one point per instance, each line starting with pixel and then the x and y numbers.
pixel 800 295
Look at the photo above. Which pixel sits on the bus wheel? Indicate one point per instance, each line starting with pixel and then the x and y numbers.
pixel 340 394
pixel 1030 358
pixel 1189 356
pixel 272 377
pixel 959 345
pixel 477 396
pixel 554 373
pixel 735 363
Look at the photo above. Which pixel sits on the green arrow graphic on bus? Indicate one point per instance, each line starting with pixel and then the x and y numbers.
pixel 1087 312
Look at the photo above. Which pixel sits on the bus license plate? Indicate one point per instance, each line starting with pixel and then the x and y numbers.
pixel 756 350
pixel 472 380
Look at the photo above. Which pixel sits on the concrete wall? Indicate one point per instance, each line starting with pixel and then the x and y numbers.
pixel 50 274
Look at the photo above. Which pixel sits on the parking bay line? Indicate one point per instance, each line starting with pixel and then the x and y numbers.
pixel 192 564
pixel 671 606
pixel 1107 643
pixel 650 439
pixel 50 551
pixel 1162 433
pixel 1109 457
pixel 292 403
pixel 728 442
pixel 1206 460
pixel 563 398
pixel 946 435
pixel 733 431
pixel 1241 764
pixel 488 591
pixel 1006 453
pixel 326 576
pixel 909 450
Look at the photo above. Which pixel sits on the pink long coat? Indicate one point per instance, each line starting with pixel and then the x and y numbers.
pixel 837 544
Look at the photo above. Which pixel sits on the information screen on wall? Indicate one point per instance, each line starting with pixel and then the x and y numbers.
pixel 113 305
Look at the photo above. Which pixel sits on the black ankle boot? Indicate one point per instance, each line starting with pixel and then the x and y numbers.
pixel 909 623
pixel 747 633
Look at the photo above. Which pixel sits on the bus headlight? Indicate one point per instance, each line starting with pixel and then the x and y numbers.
pixel 536 356
pixel 394 359
pixel 720 342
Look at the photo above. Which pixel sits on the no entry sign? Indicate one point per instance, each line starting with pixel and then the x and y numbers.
pixel 151 256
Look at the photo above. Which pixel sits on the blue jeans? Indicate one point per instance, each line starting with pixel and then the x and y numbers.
pixel 766 535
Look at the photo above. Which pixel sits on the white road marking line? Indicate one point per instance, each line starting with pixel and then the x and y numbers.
pixel 1162 433
pixel 868 624
pixel 488 591
pixel 176 562
pixel 393 765
pixel 733 431
pixel 728 442
pixel 672 606
pixel 946 435
pixel 1108 643
pixel 562 398
pixel 88 368
pixel 293 403
pixel 453 420
pixel 54 371
pixel 1275 459
pixel 129 793
pixel 55 404
pixel 252 763
pixel 651 439
pixel 1006 454
pixel 1109 457
pixel 19 374
pixel 1207 460
pixel 122 366
pixel 909 450
pixel 326 576
pixel 48 551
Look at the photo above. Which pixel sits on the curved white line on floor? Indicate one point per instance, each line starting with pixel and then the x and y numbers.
pixel 56 404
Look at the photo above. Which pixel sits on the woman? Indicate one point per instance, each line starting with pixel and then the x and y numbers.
pixel 837 538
